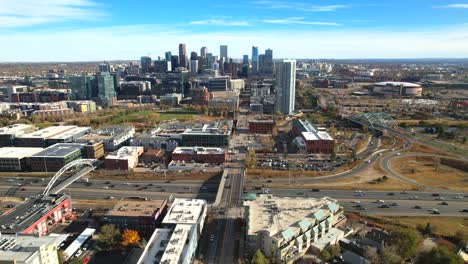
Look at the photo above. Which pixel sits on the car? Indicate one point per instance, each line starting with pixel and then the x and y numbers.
pixel 384 206
pixel 398 154
pixel 404 192
pixel 440 198
pixel 394 204
pixel 204 188
pixel 105 187
pixel 417 207
pixel 458 197
pixel 414 197
pixel 434 211
pixel 110 197
pixel 316 190
pixel 361 208
pixel 443 203
pixel 300 193
pixel 391 194
pixel 435 194
pixel 380 201
pixel 23 189
pixel 269 181
pixel 356 202
pixel 464 210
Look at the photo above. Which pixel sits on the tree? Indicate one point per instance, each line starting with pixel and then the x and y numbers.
pixel 439 255
pixel 325 255
pixel 61 256
pixel 428 229
pixel 76 261
pixel 335 250
pixel 405 241
pixel 390 255
pixel 108 237
pixel 259 258
pixel 251 159
pixel 130 238
pixel 464 140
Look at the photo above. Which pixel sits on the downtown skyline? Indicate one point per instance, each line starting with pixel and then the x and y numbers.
pixel 85 30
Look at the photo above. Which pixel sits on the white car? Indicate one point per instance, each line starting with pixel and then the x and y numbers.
pixel 380 201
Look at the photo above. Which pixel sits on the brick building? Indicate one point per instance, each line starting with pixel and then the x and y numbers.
pixel 315 140
pixel 264 126
pixel 123 159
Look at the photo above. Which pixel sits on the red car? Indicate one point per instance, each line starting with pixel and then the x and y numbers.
pixel 23 189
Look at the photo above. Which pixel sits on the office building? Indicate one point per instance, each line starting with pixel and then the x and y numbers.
pixel 200 96
pixel 285 86
pixel 51 135
pixel 200 154
pixel 261 126
pixel 8 134
pixel 53 158
pixel 177 241
pixel 168 56
pixel 183 59
pixel 104 67
pixel 268 65
pixel 84 106
pixel 214 134
pixel 245 59
pixel 141 215
pixel 174 62
pixel 286 228
pixel 16 159
pixel 203 52
pixel 254 60
pixel 36 216
pixel 194 67
pixel 220 83
pixel 162 66
pixel 106 90
pixel 223 52
pixel 125 158
pixel 171 100
pixel 113 137
pixel 83 87
pixel 315 140
pixel 25 249
pixel 145 62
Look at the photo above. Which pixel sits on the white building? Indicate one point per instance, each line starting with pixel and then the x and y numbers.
pixel 177 242
pixel 285 86
pixel 26 249
pixel 285 228
pixel 15 159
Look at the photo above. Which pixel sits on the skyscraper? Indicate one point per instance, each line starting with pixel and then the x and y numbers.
pixel 174 62
pixel 203 52
pixel 245 59
pixel 254 59
pixel 223 52
pixel 106 91
pixel 285 86
pixel 168 55
pixel 83 87
pixel 194 67
pixel 145 64
pixel 104 67
pixel 193 55
pixel 268 66
pixel 183 59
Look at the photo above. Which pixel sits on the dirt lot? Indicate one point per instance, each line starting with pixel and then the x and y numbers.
pixel 142 176
pixel 422 170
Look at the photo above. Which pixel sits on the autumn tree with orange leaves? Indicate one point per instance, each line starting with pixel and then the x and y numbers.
pixel 130 238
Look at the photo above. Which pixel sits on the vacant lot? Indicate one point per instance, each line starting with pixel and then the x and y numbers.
pixel 431 172
pixel 148 176
pixel 443 225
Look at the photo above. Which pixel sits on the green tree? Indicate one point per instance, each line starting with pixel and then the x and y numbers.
pixel 335 250
pixel 428 229
pixel 464 140
pixel 439 255
pixel 108 237
pixel 405 242
pixel 325 255
pixel 259 258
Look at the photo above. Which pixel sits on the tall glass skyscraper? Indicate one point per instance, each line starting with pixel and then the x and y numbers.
pixel 106 91
pixel 255 59
pixel 285 86
pixel 223 51
pixel 168 56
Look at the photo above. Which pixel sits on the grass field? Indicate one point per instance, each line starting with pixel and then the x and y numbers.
pixel 443 225
pixel 422 170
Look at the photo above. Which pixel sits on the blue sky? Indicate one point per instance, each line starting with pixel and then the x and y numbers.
pixel 82 30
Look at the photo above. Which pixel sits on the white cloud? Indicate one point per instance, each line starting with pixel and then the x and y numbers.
pixel 455 6
pixel 219 22
pixel 271 4
pixel 19 13
pixel 298 20
pixel 130 42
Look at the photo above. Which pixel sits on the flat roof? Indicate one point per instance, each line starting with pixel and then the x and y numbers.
pixel 16 129
pixel 185 211
pixel 404 84
pixel 276 214
pixel 58 150
pixel 21 247
pixel 71 132
pixel 198 150
pixel 124 153
pixel 135 208
pixel 175 247
pixel 156 245
pixel 76 244
pixel 48 132
pixel 17 152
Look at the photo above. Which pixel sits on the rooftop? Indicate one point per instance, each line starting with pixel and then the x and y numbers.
pixel 198 150
pixel 175 246
pixel 16 152
pixel 404 84
pixel 136 208
pixel 20 248
pixel 58 150
pixel 48 132
pixel 16 129
pixel 210 128
pixel 71 132
pixel 310 132
pixel 277 214
pixel 185 211
pixel 125 152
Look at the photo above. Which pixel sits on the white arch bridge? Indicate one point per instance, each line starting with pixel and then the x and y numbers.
pixel 84 165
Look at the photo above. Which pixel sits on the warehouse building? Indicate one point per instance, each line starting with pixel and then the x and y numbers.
pixel 123 159
pixel 16 159
pixel 8 134
pixel 113 137
pixel 315 140
pixel 49 136
pixel 200 154
pixel 286 228
pixel 55 157
pixel 261 126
